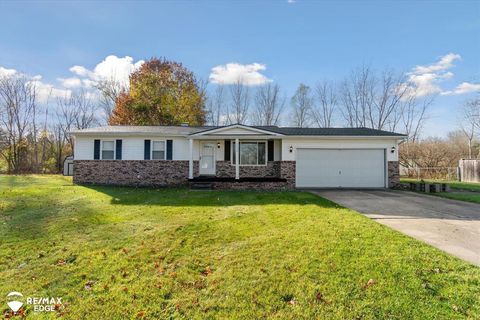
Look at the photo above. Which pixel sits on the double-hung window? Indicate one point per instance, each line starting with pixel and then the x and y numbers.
pixel 253 153
pixel 158 150
pixel 108 150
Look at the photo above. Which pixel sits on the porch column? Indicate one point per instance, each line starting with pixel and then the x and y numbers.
pixel 190 159
pixel 237 159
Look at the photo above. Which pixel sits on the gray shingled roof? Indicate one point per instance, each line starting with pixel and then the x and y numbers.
pixel 163 130
pixel 288 131
pixel 293 131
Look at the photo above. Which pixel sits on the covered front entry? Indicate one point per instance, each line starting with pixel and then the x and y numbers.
pixel 207 158
pixel 340 168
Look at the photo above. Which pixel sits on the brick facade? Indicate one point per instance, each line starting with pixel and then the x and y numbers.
pixel 161 173
pixel 226 169
pixel 175 173
pixel 266 186
pixel 393 174
pixel 132 172
pixel 287 171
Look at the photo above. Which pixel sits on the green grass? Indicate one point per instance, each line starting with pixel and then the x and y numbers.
pixel 184 254
pixel 470 195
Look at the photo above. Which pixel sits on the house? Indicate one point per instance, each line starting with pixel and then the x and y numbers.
pixel 237 156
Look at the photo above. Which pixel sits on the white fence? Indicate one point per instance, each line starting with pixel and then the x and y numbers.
pixel 470 170
pixel 438 173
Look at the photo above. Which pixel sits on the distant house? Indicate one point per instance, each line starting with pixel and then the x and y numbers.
pixel 237 156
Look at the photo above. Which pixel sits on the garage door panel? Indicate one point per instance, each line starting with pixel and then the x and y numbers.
pixel 340 168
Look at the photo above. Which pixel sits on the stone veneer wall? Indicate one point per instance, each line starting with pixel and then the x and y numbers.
pixel 250 185
pixel 132 172
pixel 287 171
pixel 225 169
pixel 393 174
pixel 175 173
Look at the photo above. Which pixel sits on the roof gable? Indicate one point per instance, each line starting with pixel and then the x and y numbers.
pixel 236 130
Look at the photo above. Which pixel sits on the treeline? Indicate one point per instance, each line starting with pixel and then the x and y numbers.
pixel 383 100
pixel 34 136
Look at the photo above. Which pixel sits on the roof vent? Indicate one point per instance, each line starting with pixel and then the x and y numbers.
pixel 184 124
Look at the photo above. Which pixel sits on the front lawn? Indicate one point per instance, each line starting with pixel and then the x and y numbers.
pixel 464 191
pixel 115 253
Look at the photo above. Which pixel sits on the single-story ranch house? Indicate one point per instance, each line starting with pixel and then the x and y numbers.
pixel 237 156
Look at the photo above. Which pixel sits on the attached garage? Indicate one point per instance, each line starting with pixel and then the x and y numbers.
pixel 340 168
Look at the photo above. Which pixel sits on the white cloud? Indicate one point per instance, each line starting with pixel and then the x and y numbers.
pixel 71 82
pixel 44 91
pixel 81 71
pixel 47 92
pixel 445 62
pixel 230 73
pixel 425 80
pixel 464 87
pixel 7 72
pixel 111 68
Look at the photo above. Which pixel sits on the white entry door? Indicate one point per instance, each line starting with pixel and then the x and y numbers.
pixel 340 168
pixel 207 158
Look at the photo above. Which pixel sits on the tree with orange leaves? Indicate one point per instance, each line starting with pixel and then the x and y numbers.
pixel 161 92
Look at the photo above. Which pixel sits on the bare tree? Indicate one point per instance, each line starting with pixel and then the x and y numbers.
pixel 216 107
pixel 110 90
pixel 75 112
pixel 269 105
pixel 240 100
pixel 357 94
pixel 18 108
pixel 387 101
pixel 302 102
pixel 413 114
pixel 327 103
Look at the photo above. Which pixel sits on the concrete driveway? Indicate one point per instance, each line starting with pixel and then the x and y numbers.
pixel 450 225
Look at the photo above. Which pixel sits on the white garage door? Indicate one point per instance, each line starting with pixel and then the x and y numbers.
pixel 340 168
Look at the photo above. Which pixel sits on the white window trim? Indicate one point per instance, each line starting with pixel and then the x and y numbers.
pixel 232 149
pixel 164 151
pixel 114 149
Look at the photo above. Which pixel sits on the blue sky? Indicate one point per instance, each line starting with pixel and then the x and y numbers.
pixel 303 41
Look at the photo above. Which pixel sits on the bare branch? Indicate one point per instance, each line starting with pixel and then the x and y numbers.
pixel 269 105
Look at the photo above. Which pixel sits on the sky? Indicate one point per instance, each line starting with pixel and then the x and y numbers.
pixel 65 46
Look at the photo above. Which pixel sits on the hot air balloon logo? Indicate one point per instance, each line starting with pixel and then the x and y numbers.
pixel 15 300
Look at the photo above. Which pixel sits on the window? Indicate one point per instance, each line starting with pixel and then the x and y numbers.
pixel 158 150
pixel 108 150
pixel 252 153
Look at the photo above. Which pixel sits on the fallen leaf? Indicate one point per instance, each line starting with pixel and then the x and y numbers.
pixel 89 285
pixel 208 271
pixel 369 283
pixel 61 262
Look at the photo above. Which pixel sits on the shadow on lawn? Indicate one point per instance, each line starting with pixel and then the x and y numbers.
pixel 186 197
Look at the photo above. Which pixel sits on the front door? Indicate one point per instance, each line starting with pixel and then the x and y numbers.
pixel 207 158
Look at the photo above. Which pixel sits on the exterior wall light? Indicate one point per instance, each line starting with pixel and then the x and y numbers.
pixel 392 150
pixel 218 145
pixel 290 149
